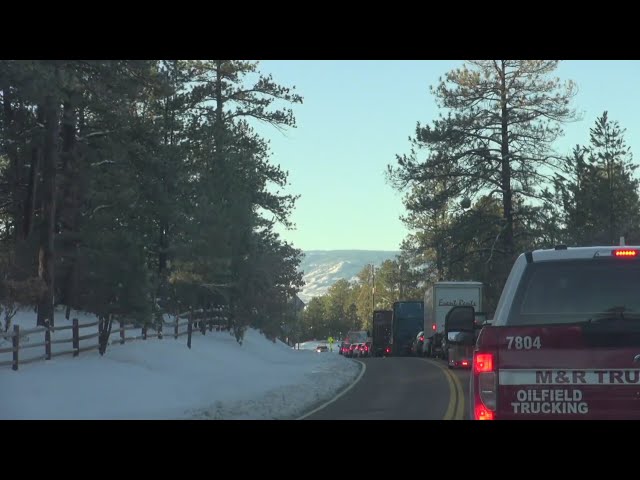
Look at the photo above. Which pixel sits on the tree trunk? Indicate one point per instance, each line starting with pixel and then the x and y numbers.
pixel 68 212
pixel 612 233
pixel 34 172
pixel 162 253
pixel 507 200
pixel 46 257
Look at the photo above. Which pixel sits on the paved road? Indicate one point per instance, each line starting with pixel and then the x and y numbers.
pixel 402 388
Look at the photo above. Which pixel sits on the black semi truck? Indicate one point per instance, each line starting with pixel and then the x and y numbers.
pixel 381 332
pixel 408 321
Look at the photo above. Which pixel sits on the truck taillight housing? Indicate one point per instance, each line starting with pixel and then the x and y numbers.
pixel 483 362
pixel 485 381
pixel 433 327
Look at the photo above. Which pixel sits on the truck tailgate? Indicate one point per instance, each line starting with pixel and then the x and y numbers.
pixel 569 371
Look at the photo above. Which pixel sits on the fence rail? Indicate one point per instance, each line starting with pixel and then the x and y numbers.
pixel 201 320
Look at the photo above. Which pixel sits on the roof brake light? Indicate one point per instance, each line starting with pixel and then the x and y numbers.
pixel 625 252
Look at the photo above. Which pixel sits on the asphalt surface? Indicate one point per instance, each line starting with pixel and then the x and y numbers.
pixel 402 388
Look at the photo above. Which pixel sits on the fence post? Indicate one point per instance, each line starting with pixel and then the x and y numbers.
pixel 144 331
pixel 121 332
pixel 203 323
pixel 189 329
pixel 175 328
pixel 47 339
pixel 16 346
pixel 76 339
pixel 160 330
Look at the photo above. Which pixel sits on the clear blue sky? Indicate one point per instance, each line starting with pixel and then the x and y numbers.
pixel 357 115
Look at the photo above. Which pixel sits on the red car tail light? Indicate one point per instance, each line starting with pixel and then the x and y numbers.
pixel 485 385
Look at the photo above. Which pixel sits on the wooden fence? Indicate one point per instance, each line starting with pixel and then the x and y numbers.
pixel 192 322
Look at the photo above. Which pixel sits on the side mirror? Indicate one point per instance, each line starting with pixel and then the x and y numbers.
pixel 460 320
pixel 482 319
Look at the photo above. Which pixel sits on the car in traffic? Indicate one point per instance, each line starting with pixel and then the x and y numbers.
pixel 352 350
pixel 364 350
pixel 418 344
pixel 322 348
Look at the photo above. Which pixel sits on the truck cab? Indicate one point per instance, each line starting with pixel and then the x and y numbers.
pixel 458 345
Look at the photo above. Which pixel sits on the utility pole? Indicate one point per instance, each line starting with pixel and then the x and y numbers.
pixel 401 292
pixel 373 290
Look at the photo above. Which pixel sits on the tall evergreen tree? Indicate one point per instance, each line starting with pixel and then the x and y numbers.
pixel 503 116
pixel 599 191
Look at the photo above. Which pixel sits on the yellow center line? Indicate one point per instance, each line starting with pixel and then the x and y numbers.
pixel 452 398
pixel 460 392
pixel 453 391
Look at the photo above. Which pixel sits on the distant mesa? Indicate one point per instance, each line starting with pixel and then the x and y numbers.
pixel 323 268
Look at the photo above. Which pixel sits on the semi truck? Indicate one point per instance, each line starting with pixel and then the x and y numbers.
pixel 381 332
pixel 459 343
pixel 406 324
pixel 438 300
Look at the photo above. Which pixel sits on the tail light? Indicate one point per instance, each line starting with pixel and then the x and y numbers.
pixel 433 327
pixel 485 385
pixel 422 338
pixel 482 413
pixel 482 362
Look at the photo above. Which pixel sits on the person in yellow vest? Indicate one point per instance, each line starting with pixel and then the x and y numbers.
pixel 330 340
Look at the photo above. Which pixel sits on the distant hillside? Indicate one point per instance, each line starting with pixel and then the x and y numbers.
pixel 322 268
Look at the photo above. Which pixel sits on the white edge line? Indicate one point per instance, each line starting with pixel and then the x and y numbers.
pixel 364 369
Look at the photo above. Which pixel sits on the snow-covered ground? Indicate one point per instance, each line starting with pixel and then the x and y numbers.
pixel 163 379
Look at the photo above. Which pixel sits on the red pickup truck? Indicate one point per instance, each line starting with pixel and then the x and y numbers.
pixel 564 342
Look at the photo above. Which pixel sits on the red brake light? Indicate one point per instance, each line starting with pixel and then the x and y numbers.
pixel 482 413
pixel 422 338
pixel 433 327
pixel 465 363
pixel 483 363
pixel 625 252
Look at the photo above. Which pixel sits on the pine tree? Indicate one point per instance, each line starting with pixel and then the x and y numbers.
pixel 599 191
